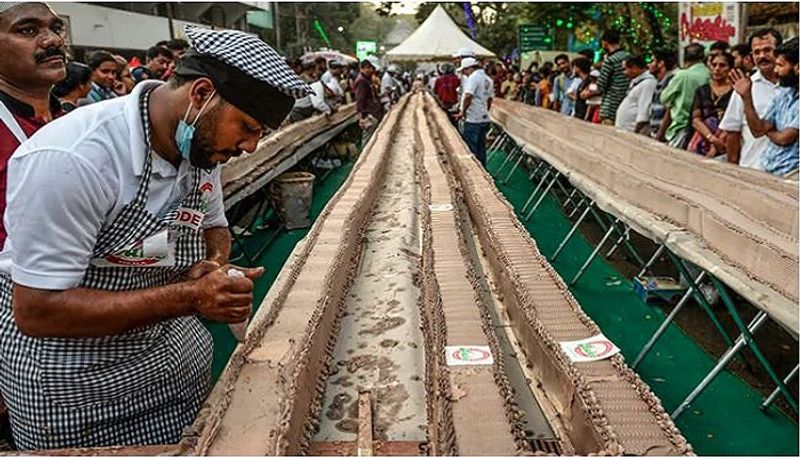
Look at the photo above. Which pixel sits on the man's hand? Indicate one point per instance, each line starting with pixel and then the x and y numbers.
pixel 459 116
pixel 222 298
pixel 741 82
pixel 201 269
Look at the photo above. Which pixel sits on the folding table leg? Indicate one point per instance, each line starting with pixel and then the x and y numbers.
pixel 580 203
pixel 671 317
pixel 571 231
pixel 747 334
pixel 508 158
pixel 593 254
pixel 543 194
pixel 536 189
pixel 777 390
pixel 516 164
pixel 652 260
pixel 760 318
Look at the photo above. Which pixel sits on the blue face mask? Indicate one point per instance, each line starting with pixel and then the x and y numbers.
pixel 185 132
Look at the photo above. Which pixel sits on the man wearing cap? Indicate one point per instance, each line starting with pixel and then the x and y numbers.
pixel 390 87
pixel 118 245
pixel 370 110
pixel 475 106
pixel 462 53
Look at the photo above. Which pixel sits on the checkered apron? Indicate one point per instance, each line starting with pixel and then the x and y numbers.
pixel 138 388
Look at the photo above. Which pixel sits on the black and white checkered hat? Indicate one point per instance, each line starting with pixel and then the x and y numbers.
pixel 249 54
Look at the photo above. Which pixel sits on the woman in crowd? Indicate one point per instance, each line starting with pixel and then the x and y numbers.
pixel 74 86
pixel 104 75
pixel 124 84
pixel 710 102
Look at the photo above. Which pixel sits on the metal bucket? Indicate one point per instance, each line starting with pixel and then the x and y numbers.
pixel 291 195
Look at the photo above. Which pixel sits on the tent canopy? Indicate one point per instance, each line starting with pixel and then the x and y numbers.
pixel 438 38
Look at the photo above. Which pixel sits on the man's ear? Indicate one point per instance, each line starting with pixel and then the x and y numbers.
pixel 200 90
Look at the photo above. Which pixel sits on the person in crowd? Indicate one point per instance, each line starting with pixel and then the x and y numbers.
pixel 30 65
pixel 743 59
pixel 157 61
pixel 368 105
pixel 308 72
pixel 320 67
pixel 633 114
pixel 716 48
pixel 561 84
pixel 331 78
pixel 679 94
pixel 593 99
pixel 544 97
pixel 324 99
pixel 75 86
pixel 104 76
pixel 780 122
pixel 498 74
pixel 104 181
pixel 582 67
pixel 389 88
pixel 709 105
pixel 741 146
pixel 178 47
pixel 513 94
pixel 507 86
pixel 124 84
pixel 475 107
pixel 612 84
pixel 663 65
pixel 446 88
pixel 588 53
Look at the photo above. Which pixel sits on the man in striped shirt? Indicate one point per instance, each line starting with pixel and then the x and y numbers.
pixel 612 84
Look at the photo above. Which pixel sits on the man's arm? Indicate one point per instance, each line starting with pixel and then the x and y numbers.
pixel 84 313
pixel 218 244
pixel 664 125
pixel 783 137
pixel 758 127
pixel 733 146
pixel 467 103
pixel 489 104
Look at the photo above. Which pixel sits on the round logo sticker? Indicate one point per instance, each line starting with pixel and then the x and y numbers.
pixel 594 349
pixel 471 354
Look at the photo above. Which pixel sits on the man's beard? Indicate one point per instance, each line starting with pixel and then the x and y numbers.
pixel 201 152
pixel 790 80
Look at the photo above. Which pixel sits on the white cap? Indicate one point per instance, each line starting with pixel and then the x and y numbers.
pixel 465 52
pixel 467 62
pixel 392 68
pixel 374 62
pixel 594 73
pixel 4 6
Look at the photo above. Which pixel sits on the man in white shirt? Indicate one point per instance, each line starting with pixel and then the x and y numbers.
pixel 331 78
pixel 741 146
pixel 323 99
pixel 118 243
pixel 390 87
pixel 633 114
pixel 476 103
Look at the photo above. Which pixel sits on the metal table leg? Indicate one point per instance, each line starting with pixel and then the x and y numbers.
pixel 571 231
pixel 652 260
pixel 536 189
pixel 516 164
pixel 593 254
pixel 777 390
pixel 541 197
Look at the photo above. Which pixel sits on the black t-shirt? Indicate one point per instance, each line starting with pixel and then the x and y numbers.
pixel 580 104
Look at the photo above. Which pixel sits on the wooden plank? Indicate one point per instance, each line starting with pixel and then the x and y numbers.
pixel 365 423
pixel 334 448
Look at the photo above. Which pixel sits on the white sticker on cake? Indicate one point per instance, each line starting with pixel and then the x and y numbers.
pixel 440 207
pixel 597 347
pixel 468 355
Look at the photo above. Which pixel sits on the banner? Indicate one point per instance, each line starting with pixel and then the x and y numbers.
pixel 705 23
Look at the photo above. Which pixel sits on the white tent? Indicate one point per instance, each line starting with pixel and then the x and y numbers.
pixel 438 38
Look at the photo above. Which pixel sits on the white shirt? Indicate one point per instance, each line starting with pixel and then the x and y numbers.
pixel 318 100
pixel 481 88
pixel 573 89
pixel 635 107
pixel 333 83
pixel 73 177
pixel 388 85
pixel 734 120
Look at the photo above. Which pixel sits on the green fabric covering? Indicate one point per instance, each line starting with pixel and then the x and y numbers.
pixel 273 259
pixel 725 419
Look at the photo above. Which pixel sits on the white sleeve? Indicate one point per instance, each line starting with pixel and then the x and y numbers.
pixel 645 99
pixel 57 204
pixel 318 99
pixel 733 120
pixel 470 87
pixel 215 214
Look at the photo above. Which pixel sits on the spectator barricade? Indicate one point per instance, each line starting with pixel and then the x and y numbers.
pixel 739 226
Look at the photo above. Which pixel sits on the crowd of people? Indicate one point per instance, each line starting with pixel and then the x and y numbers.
pixel 737 104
